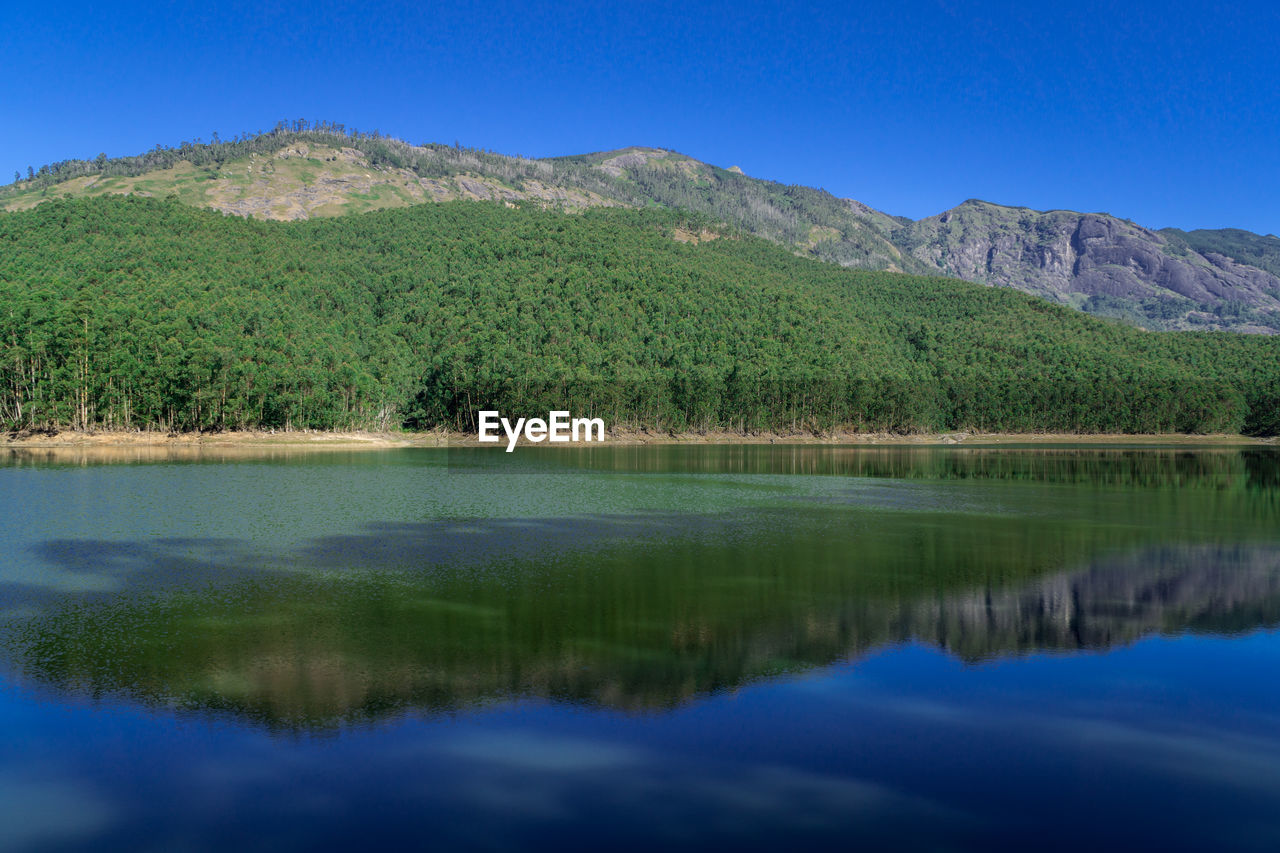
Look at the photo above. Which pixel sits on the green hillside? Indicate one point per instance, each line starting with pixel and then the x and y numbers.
pixel 301 171
pixel 1093 262
pixel 130 312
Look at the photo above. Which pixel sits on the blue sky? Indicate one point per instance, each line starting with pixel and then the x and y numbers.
pixel 1165 113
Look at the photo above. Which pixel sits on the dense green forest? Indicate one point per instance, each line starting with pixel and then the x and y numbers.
pixel 136 313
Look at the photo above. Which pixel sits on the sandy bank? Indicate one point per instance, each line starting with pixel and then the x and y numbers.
pixel 319 440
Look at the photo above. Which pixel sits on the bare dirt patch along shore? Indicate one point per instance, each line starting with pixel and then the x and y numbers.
pixel 441 438
pixel 246 438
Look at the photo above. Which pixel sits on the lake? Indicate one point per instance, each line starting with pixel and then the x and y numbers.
pixel 638 647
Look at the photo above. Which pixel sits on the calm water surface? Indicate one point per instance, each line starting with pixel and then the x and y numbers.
pixel 637 647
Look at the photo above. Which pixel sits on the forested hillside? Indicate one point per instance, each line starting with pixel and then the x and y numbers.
pixel 137 313
pixel 1094 262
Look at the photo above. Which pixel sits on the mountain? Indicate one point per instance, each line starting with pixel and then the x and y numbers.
pixel 1094 262
pixel 288 175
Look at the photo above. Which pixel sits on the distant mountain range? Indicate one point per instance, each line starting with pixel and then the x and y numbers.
pixel 1169 279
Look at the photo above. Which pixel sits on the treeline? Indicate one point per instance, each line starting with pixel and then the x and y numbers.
pixel 134 313
pixel 381 150
pixel 429 160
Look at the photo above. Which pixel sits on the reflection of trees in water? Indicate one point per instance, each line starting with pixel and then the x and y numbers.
pixel 1257 468
pixel 1262 468
pixel 630 613
pixel 1103 466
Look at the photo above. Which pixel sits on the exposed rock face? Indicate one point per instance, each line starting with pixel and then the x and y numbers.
pixel 617 166
pixel 1097 262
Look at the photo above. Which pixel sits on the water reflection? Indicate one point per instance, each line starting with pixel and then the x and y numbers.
pixel 1148 467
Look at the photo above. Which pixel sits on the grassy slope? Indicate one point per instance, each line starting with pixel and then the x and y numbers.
pixel 296 182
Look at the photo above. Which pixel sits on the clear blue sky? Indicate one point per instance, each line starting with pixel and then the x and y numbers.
pixel 1165 113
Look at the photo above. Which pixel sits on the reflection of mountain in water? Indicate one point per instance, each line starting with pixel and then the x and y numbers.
pixel 632 623
pixel 1220 590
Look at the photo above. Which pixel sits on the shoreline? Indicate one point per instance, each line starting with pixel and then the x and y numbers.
pixel 323 440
